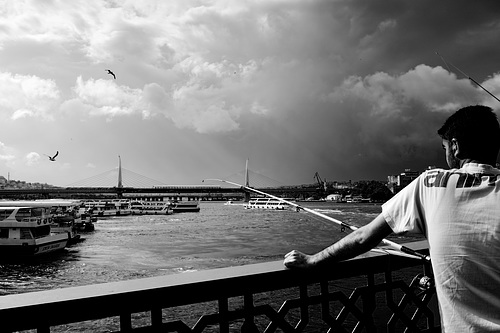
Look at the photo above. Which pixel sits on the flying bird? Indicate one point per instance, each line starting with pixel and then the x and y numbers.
pixel 52 158
pixel 110 72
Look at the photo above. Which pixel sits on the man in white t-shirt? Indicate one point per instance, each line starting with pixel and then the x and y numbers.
pixel 458 210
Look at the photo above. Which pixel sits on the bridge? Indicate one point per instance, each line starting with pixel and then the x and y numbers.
pixel 123 183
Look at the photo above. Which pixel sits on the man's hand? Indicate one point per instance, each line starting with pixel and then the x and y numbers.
pixel 297 259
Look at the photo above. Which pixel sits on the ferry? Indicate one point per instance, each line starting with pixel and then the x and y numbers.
pixel 356 199
pixel 267 203
pixel 185 206
pixel 139 207
pixel 122 207
pixel 26 232
pixel 107 208
pixel 63 214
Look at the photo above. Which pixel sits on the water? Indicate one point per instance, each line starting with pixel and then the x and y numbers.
pixel 130 247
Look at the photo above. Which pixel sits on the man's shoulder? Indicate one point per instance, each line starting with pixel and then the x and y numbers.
pixel 469 175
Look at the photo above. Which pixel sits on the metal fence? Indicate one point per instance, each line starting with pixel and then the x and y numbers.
pixel 375 292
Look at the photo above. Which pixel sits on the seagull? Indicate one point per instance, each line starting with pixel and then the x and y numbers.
pixel 110 72
pixel 52 158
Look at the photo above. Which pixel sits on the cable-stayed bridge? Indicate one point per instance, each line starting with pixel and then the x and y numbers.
pixel 121 182
pixel 111 178
pixel 129 178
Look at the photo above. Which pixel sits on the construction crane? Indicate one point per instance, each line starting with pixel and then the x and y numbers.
pixel 321 183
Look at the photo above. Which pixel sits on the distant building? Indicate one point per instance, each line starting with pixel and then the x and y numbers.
pixel 397 182
pixel 334 197
pixel 21 184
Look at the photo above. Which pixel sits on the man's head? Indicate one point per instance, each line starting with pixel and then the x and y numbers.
pixel 471 133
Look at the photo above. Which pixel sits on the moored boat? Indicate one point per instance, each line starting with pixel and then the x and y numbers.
pixel 122 207
pixel 107 208
pixel 86 222
pixel 26 232
pixel 140 207
pixel 64 215
pixel 65 225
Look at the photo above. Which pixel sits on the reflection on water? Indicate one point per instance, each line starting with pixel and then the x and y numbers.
pixel 123 248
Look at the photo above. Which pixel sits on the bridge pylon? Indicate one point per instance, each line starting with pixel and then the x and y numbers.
pixel 247 183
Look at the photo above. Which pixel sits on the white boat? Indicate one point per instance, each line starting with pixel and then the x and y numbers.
pixel 86 222
pixel 233 203
pixel 185 206
pixel 140 207
pixel 64 214
pixel 106 208
pixel 26 232
pixel 267 203
pixel 356 199
pixel 122 207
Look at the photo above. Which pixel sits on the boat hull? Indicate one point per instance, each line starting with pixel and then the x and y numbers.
pixel 151 212
pixel 21 248
pixel 186 210
pixel 185 207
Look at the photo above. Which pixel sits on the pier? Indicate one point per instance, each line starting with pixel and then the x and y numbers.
pixel 263 297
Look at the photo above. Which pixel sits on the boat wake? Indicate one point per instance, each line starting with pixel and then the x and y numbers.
pixel 331 211
pixel 185 270
pixel 348 213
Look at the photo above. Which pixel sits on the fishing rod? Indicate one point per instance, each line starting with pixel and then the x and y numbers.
pixel 391 244
pixel 467 76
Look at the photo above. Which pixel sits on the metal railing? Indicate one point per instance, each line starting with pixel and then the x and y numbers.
pixel 375 292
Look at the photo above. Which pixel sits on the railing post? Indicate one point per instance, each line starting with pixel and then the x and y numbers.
pixel 43 329
pixel 325 308
pixel 249 324
pixel 223 313
pixel 156 317
pixel 369 304
pixel 304 308
pixel 125 322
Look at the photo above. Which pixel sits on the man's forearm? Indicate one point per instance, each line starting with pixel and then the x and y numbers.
pixel 354 244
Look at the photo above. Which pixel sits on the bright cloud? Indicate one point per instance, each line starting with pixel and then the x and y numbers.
pixel 105 98
pixel 434 88
pixel 7 155
pixel 32 159
pixel 27 96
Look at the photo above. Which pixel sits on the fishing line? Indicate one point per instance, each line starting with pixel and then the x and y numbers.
pixel 395 246
pixel 467 76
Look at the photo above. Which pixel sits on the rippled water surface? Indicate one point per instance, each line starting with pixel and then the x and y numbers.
pixel 123 248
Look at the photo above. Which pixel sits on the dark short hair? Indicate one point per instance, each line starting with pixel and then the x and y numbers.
pixel 476 129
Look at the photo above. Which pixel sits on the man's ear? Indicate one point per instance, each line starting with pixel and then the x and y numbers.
pixel 455 148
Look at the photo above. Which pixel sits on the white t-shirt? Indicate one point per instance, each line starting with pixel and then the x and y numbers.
pixel 458 211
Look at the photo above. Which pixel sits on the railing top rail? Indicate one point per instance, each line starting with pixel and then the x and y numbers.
pixel 212 276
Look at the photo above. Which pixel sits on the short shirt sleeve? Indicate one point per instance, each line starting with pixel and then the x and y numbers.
pixel 403 212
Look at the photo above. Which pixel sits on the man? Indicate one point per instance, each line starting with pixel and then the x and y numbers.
pixel 458 210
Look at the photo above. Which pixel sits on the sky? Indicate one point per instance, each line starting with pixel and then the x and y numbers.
pixel 351 89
